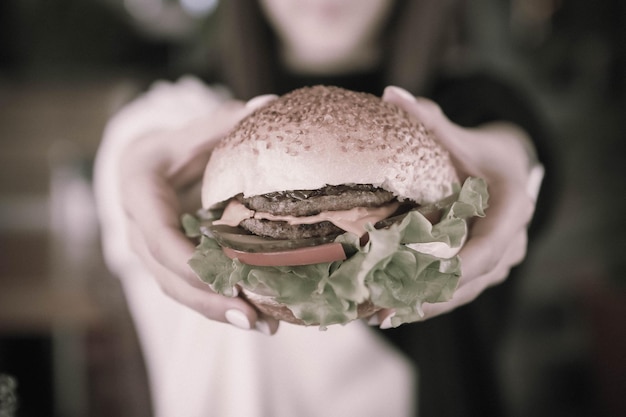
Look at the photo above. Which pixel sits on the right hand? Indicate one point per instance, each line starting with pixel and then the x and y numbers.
pixel 501 154
pixel 161 174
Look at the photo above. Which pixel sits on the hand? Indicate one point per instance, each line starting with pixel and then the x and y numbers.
pixel 160 172
pixel 501 154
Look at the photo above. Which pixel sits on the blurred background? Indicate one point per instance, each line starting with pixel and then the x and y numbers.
pixel 67 344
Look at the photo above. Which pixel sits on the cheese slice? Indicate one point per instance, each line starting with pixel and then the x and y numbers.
pixel 352 220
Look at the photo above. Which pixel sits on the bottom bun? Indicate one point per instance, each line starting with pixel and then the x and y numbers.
pixel 269 306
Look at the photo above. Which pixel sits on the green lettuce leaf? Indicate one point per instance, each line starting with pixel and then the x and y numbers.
pixel 385 270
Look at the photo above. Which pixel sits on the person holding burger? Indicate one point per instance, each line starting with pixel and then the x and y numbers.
pixel 149 172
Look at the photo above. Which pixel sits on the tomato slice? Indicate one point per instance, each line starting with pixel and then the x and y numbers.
pixel 328 252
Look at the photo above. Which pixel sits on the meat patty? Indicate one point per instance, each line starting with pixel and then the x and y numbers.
pixel 310 202
pixel 286 231
pixel 300 203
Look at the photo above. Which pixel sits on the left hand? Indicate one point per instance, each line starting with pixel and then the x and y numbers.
pixel 500 153
pixel 161 173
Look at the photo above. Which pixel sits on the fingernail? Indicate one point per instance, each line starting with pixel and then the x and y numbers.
pixel 260 101
pixel 386 324
pixel 238 319
pixel 401 92
pixel 235 292
pixel 374 320
pixel 263 326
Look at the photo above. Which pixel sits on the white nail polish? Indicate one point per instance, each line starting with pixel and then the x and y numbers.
pixel 238 319
pixel 263 327
pixel 401 92
pixel 386 324
pixel 374 320
pixel 260 101
pixel 235 292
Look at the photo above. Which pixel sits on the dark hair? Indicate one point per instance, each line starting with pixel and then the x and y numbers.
pixel 418 38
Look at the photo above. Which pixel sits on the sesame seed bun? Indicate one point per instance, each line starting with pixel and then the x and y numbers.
pixel 318 136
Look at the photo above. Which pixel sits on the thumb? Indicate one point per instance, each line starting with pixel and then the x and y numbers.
pixel 191 152
pixel 452 137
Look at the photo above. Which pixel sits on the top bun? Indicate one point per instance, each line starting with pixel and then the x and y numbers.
pixel 317 136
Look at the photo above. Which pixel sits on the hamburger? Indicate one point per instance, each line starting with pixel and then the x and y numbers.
pixel 326 205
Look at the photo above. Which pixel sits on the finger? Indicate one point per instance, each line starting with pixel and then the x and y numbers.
pixel 491 151
pixel 468 291
pixel 267 325
pixel 192 147
pixel 195 294
pixel 385 317
pixel 423 110
pixel 220 122
pixel 513 255
pixel 199 297
pixel 260 101
pixel 190 160
pixel 510 209
pixel 427 112
pixel 169 150
pixel 508 215
pixel 159 270
pixel 149 186
pixel 177 154
pixel 153 208
pixel 377 318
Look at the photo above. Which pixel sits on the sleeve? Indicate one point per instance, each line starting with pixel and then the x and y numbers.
pixel 165 105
